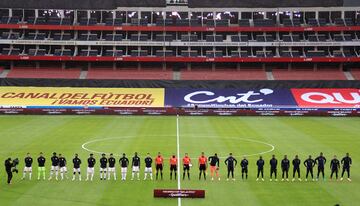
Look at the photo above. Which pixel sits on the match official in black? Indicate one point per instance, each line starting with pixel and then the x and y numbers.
pixel 244 167
pixel 346 163
pixel 8 167
pixel 296 167
pixel 260 168
pixel 273 168
pixel 309 164
pixel 285 165
pixel 231 163
pixel 334 166
pixel 320 161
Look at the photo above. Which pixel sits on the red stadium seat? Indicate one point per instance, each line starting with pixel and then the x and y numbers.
pixel 356 73
pixel 103 73
pixel 245 74
pixel 42 73
pixel 298 74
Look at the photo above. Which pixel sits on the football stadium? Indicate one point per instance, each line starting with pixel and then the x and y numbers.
pixel 180 102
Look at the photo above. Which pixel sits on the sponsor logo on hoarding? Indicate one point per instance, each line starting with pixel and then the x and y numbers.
pixel 65 97
pixel 229 98
pixel 327 98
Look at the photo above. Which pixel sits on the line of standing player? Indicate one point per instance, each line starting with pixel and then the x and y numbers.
pixel 108 169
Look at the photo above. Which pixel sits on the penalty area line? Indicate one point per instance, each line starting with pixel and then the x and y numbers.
pixel 178 155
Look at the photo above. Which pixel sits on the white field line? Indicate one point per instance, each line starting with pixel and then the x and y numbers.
pixel 178 155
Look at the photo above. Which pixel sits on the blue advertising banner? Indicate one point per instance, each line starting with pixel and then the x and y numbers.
pixel 230 98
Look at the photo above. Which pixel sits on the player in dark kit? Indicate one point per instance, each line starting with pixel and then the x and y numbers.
pixel 260 168
pixel 334 166
pixel 90 170
pixel 346 163
pixel 296 167
pixel 214 166
pixel 135 167
pixel 231 163
pixel 148 166
pixel 76 169
pixel 273 168
pixel 28 166
pixel 244 168
pixel 309 164
pixel 8 166
pixel 159 161
pixel 285 166
pixel 124 162
pixel 63 169
pixel 103 167
pixel 54 166
pixel 111 168
pixel 320 161
pixel 41 166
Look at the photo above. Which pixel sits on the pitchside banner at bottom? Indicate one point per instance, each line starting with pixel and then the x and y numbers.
pixel 165 193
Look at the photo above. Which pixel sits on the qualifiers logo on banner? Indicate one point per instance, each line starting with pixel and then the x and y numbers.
pixel 230 98
pixel 327 98
pixel 80 97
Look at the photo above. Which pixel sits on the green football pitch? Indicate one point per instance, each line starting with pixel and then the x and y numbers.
pixel 240 135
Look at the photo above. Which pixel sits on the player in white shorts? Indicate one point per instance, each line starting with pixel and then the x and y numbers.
pixel 63 169
pixel 54 166
pixel 77 163
pixel 124 162
pixel 111 168
pixel 28 166
pixel 148 168
pixel 135 167
pixel 90 170
pixel 103 167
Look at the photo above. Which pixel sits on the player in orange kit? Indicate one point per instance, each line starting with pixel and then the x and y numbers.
pixel 173 166
pixel 159 161
pixel 186 164
pixel 202 165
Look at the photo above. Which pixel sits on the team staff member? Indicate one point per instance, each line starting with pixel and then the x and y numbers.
pixel 41 166
pixel 186 165
pixel 296 167
pixel 148 166
pixel 320 161
pixel 309 164
pixel 111 168
pixel 273 167
pixel 124 162
pixel 54 166
pixel 231 163
pixel 260 168
pixel 244 167
pixel 76 169
pixel 63 169
pixel 28 166
pixel 135 166
pixel 103 167
pixel 346 163
pixel 173 166
pixel 285 165
pixel 8 166
pixel 202 165
pixel 214 166
pixel 90 170
pixel 334 166
pixel 159 161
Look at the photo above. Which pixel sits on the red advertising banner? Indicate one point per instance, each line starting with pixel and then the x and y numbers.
pixel 327 98
pixel 165 193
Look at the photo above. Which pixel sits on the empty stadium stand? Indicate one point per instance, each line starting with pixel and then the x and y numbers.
pixel 243 74
pixel 308 74
pixel 106 73
pixel 356 74
pixel 48 73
